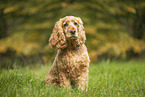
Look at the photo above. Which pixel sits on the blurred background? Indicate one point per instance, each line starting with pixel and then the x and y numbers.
pixel 115 29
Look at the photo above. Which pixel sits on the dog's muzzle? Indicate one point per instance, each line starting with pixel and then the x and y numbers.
pixel 73 31
pixel 73 34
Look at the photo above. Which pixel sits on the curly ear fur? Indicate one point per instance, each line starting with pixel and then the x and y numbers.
pixel 81 36
pixel 57 39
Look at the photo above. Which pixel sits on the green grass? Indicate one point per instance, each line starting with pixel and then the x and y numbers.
pixel 105 79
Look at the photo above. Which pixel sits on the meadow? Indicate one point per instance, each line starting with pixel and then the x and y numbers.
pixel 106 79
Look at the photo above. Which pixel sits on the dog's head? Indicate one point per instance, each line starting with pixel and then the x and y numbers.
pixel 68 31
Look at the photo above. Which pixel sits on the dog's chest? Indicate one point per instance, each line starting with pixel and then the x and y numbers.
pixel 73 62
pixel 73 58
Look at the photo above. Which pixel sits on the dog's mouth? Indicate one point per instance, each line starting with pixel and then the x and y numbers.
pixel 72 37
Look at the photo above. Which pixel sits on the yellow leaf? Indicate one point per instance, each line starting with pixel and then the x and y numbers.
pixel 9 9
pixel 132 10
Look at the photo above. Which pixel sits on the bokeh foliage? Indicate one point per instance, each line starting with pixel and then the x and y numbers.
pixel 114 28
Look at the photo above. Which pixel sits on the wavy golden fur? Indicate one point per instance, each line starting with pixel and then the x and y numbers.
pixel 70 67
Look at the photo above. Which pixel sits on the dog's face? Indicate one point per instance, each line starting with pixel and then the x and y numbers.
pixel 70 27
pixel 68 31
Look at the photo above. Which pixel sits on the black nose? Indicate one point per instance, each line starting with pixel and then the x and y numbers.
pixel 73 31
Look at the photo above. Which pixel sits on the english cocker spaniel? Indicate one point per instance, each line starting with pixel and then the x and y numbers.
pixel 70 67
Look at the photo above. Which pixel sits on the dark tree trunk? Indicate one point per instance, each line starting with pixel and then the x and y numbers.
pixel 2 25
pixel 139 24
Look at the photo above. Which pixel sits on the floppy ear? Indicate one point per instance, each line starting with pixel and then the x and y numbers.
pixel 57 39
pixel 81 33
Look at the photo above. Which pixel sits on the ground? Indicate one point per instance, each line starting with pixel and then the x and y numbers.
pixel 111 79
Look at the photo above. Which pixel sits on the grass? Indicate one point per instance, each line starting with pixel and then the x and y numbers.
pixel 114 79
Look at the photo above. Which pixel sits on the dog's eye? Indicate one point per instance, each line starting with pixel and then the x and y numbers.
pixel 75 23
pixel 65 25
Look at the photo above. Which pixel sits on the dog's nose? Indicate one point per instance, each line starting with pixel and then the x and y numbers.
pixel 73 31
